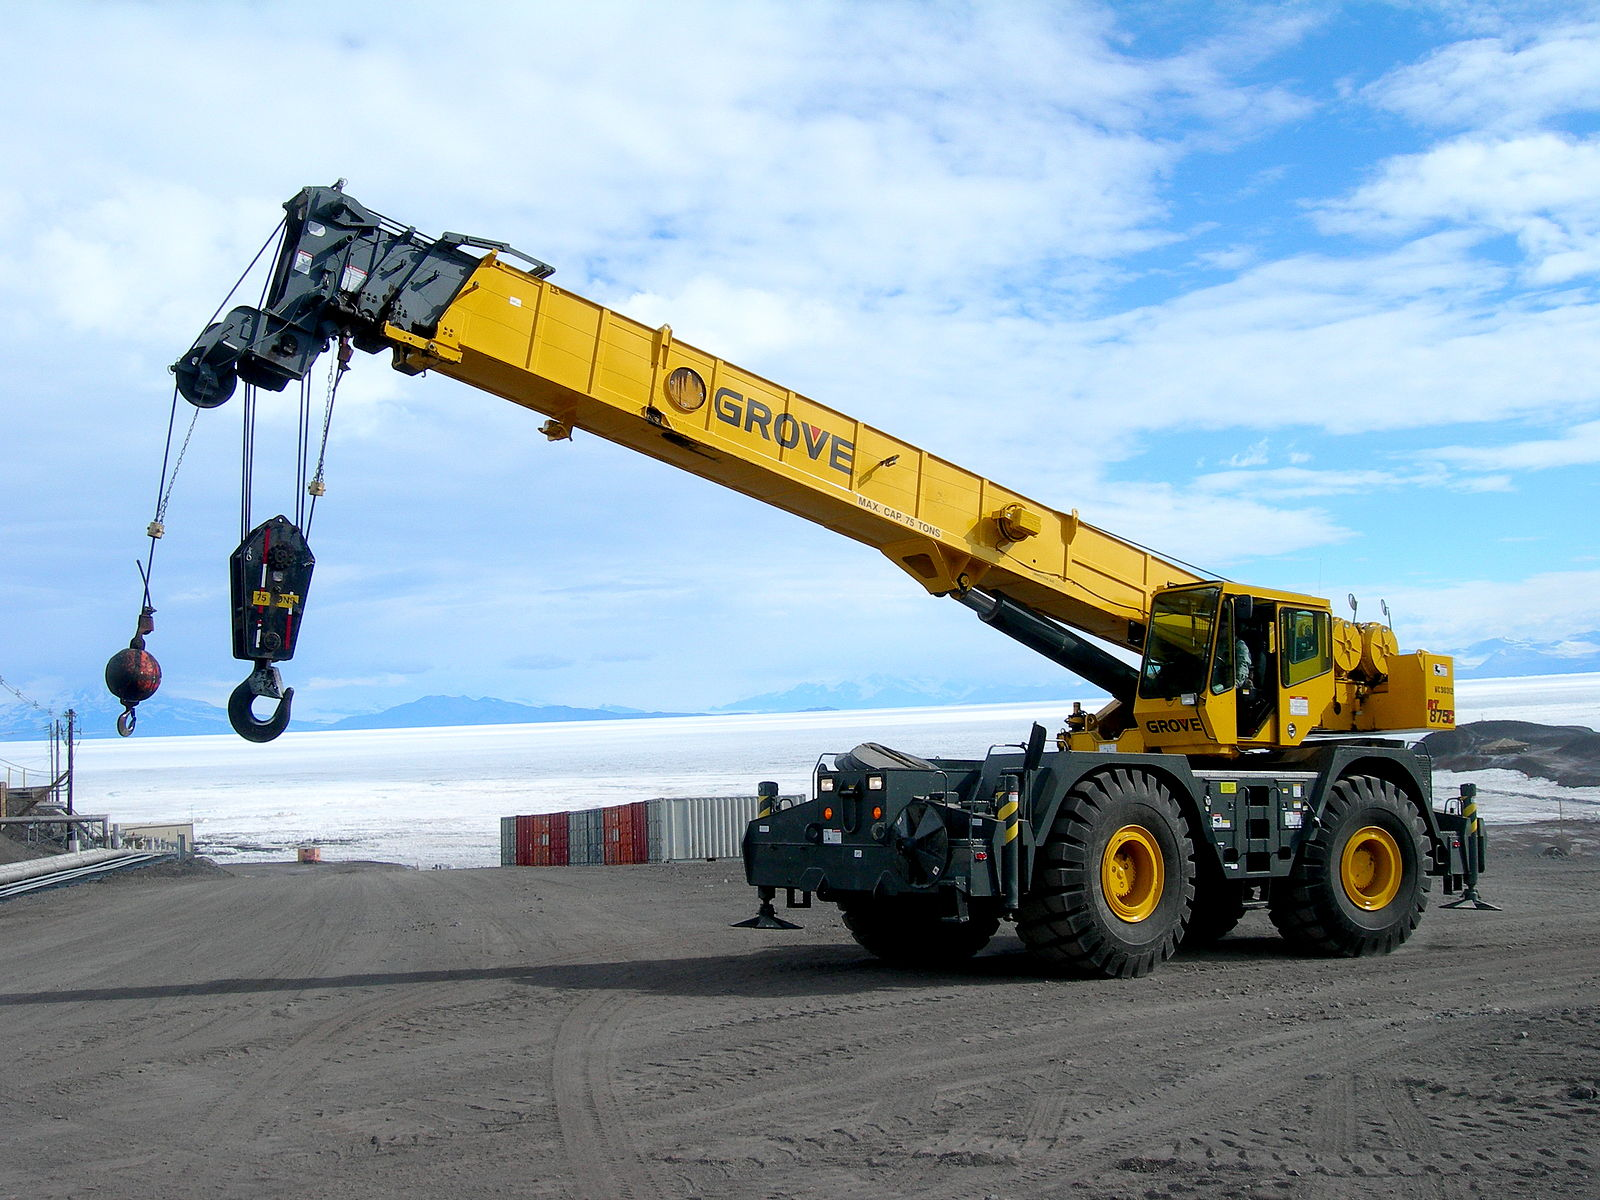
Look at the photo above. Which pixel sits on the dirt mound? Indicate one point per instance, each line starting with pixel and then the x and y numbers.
pixel 11 850
pixel 184 868
pixel 194 867
pixel 1566 754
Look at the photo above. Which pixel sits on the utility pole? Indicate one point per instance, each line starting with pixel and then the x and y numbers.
pixel 72 720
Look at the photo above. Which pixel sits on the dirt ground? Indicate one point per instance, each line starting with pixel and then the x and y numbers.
pixel 360 1030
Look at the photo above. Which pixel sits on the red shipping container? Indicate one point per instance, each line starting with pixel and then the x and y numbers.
pixel 540 856
pixel 559 839
pixel 616 823
pixel 625 834
pixel 542 840
pixel 640 811
pixel 524 841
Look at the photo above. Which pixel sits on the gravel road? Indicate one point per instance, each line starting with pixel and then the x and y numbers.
pixel 359 1030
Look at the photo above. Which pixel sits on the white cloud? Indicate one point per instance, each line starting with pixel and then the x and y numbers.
pixel 860 151
pixel 1579 447
pixel 1394 340
pixel 1498 82
pixel 1253 456
pixel 1233 258
pixel 1294 483
pixel 136 261
pixel 326 683
pixel 1483 483
pixel 1483 468
pixel 1458 613
pixel 1206 528
pixel 744 323
pixel 1542 189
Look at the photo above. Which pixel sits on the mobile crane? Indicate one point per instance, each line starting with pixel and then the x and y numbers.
pixel 1250 758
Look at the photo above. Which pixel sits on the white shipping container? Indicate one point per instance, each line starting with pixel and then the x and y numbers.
pixel 508 841
pixel 690 828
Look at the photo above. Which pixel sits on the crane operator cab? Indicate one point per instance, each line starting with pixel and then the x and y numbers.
pixel 1229 668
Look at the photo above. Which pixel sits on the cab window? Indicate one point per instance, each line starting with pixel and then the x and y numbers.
pixel 1303 634
pixel 1178 647
pixel 1225 667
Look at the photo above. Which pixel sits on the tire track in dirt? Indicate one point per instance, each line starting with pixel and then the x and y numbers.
pixel 1261 1073
pixel 595 1134
pixel 758 1077
pixel 172 1041
pixel 144 1022
pixel 1355 1125
pixel 1332 1119
pixel 279 1070
pixel 889 1056
pixel 1400 1117
pixel 1339 981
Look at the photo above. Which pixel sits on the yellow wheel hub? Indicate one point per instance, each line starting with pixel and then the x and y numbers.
pixel 1132 873
pixel 1370 868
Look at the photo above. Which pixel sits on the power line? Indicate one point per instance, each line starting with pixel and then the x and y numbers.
pixel 28 700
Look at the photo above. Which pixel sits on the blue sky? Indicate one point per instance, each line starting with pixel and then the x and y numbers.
pixel 1302 293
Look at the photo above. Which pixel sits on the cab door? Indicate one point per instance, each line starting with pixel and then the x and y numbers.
pixel 1305 670
pixel 1186 697
pixel 1219 706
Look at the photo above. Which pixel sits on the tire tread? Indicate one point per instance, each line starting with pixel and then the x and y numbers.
pixel 1059 923
pixel 1305 907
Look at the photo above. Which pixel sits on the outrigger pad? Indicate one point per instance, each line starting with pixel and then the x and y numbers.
pixel 767 918
pixel 270 574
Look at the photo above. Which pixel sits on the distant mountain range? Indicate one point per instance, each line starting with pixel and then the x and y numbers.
pixel 97 718
pixel 1499 658
pixel 433 711
pixel 162 717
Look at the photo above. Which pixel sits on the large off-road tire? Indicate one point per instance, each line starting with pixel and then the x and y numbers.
pixel 1114 882
pixel 1359 883
pixel 1218 907
pixel 913 932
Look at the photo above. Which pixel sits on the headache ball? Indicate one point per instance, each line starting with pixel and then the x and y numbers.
pixel 133 675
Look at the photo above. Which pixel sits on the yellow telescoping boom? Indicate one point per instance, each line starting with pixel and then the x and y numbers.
pixel 1232 679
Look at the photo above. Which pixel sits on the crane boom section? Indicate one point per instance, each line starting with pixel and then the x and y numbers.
pixel 591 368
pixel 1224 668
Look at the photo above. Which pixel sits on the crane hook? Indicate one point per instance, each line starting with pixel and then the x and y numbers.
pixel 263 681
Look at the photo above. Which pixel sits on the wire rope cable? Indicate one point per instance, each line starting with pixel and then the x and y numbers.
pixel 318 486
pixel 171 466
pixel 247 460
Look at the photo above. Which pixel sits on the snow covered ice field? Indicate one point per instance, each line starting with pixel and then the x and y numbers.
pixel 429 797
